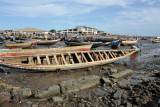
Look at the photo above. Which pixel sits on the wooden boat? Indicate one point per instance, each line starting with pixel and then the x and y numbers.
pixel 4 53
pixel 155 40
pixel 106 43
pixel 29 44
pixel 129 42
pixel 66 60
pixel 1 42
pixel 94 44
pixel 115 44
pixel 47 42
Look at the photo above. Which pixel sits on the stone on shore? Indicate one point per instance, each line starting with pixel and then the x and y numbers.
pixel 79 84
pixel 24 92
pixel 106 80
pixel 4 96
pixel 57 99
pixel 122 74
pixel 51 91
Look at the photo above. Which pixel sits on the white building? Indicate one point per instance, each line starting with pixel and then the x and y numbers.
pixel 80 30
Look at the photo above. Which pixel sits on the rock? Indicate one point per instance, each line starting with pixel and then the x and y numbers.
pixel 124 96
pixel 51 91
pixel 124 86
pixel 140 101
pixel 24 92
pixel 34 105
pixel 57 99
pixel 117 94
pixel 113 70
pixel 79 84
pixel 113 80
pixel 106 80
pixel 143 100
pixel 117 102
pixel 128 104
pixel 104 68
pixel 130 99
pixel 89 69
pixel 122 74
pixel 4 96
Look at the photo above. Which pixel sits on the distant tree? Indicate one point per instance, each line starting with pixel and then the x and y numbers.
pixel 52 31
pixel 99 31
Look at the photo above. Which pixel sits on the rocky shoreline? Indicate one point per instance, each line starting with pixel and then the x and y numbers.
pixel 109 91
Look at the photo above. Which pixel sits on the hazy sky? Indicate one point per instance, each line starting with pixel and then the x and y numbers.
pixel 130 17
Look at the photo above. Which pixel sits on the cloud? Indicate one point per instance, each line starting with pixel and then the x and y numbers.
pixel 142 21
pixel 150 2
pixel 48 10
pixel 88 2
pixel 52 8
pixel 141 16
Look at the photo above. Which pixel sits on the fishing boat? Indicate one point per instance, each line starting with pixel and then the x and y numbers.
pixel 66 60
pixel 47 42
pixel 4 53
pixel 115 44
pixel 155 40
pixel 129 42
pixel 106 43
pixel 29 44
pixel 94 44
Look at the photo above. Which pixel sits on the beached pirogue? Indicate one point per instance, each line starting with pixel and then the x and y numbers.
pixel 129 42
pixel 47 42
pixel 6 53
pixel 23 45
pixel 66 60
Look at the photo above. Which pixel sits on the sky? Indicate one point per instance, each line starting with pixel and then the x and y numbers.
pixel 124 17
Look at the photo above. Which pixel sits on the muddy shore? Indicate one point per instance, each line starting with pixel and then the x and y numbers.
pixel 142 86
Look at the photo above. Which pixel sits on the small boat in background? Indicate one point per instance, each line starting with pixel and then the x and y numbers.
pixel 115 44
pixel 79 43
pixel 106 43
pixel 66 60
pixel 47 42
pixel 5 53
pixel 23 45
pixel 129 42
pixel 155 40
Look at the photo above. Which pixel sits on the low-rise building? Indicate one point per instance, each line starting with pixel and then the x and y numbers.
pixel 30 31
pixel 79 30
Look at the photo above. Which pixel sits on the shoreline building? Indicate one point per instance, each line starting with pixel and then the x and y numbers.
pixel 79 30
pixel 30 31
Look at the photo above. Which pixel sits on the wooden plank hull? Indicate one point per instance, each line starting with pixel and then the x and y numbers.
pixel 20 45
pixel 67 60
pixel 129 42
pixel 155 40
pixel 4 53
pixel 47 42
pixel 94 44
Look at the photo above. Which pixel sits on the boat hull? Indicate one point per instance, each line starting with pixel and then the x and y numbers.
pixel 129 42
pixel 4 53
pixel 21 45
pixel 69 60
pixel 47 42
